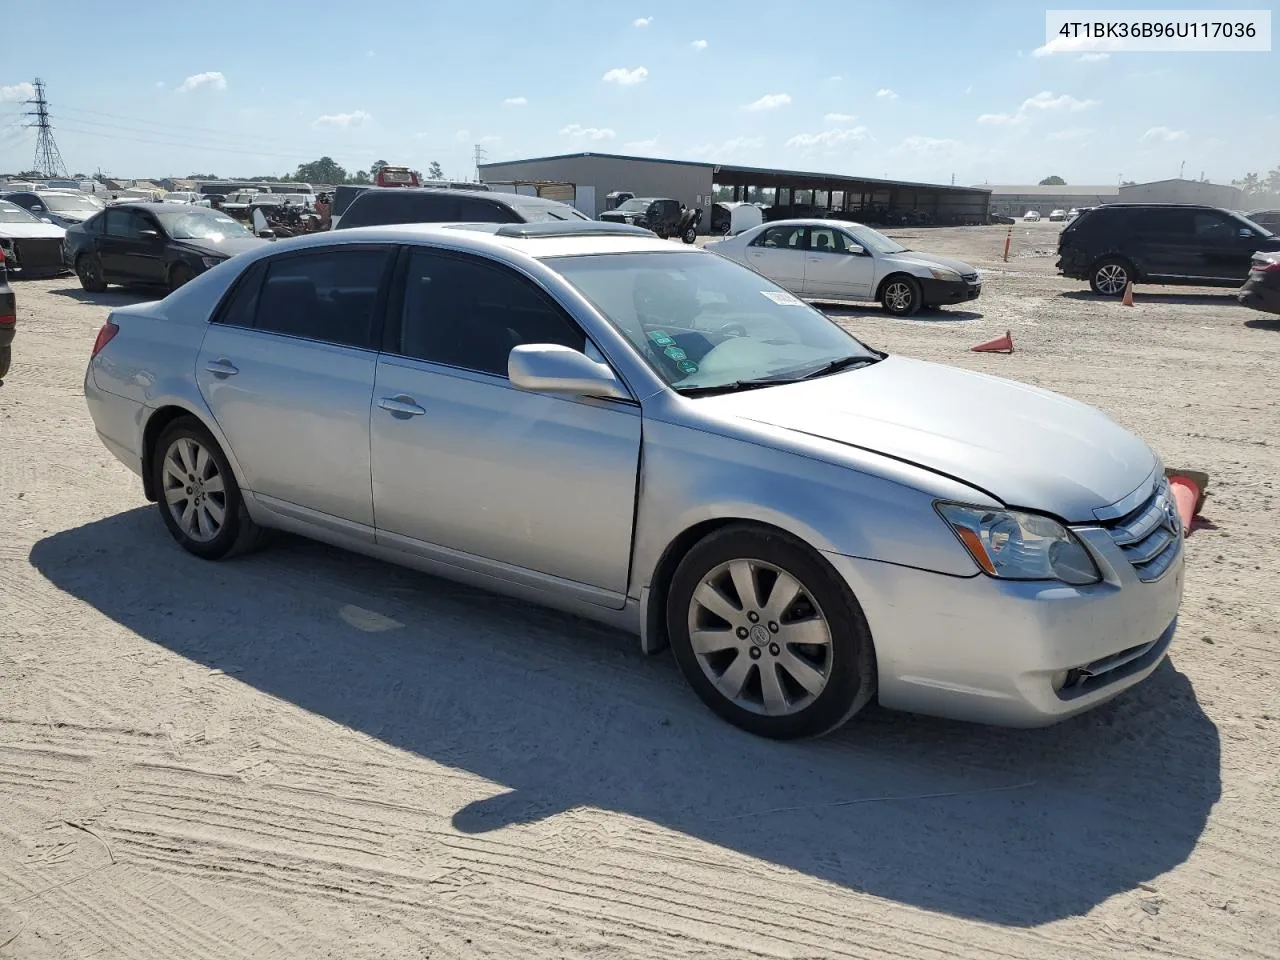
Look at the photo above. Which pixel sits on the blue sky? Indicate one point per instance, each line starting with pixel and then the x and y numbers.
pixel 920 91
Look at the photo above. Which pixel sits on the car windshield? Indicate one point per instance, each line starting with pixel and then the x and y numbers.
pixel 635 205
pixel 69 203
pixel 706 324
pixel 875 241
pixel 544 212
pixel 12 213
pixel 202 223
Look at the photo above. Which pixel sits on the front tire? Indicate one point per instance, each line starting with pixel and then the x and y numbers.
pixel 690 235
pixel 89 270
pixel 1109 277
pixel 901 296
pixel 197 493
pixel 768 635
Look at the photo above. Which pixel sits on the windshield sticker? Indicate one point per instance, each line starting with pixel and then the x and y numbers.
pixel 675 353
pixel 687 366
pixel 782 298
pixel 661 339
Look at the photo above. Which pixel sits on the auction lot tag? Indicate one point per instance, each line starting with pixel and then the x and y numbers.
pixel 782 298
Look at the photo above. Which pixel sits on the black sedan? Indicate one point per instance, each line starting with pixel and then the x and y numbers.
pixel 1262 290
pixel 153 244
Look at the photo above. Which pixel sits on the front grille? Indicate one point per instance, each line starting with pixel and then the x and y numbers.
pixel 39 255
pixel 1108 670
pixel 1149 536
pixel 969 277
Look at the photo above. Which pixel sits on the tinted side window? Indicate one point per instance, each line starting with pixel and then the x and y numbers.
pixel 124 223
pixel 240 308
pixel 1213 227
pixel 471 210
pixel 1167 223
pixel 330 295
pixel 94 223
pixel 468 313
pixel 786 238
pixel 379 208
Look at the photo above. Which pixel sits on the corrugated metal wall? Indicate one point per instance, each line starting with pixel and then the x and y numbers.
pixel 688 183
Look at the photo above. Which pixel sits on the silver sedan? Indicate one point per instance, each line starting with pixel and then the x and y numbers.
pixel 584 416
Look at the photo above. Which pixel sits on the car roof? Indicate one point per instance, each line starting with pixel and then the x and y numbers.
pixel 810 222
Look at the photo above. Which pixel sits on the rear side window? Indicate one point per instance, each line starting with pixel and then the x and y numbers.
pixel 1168 222
pixel 329 295
pixel 471 210
pixel 383 207
pixel 786 238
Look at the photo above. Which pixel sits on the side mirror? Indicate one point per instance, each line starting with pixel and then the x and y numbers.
pixel 37 208
pixel 1246 233
pixel 149 234
pixel 551 368
pixel 856 250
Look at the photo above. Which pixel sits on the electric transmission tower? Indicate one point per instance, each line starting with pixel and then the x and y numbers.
pixel 481 156
pixel 48 160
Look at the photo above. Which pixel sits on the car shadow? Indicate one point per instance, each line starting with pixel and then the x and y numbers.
pixel 1141 295
pixel 1264 321
pixel 844 311
pixel 1010 827
pixel 114 297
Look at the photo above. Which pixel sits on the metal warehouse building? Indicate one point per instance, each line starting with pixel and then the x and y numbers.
pixel 1015 200
pixel 1183 191
pixel 786 192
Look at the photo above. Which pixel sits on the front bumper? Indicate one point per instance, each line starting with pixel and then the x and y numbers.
pixel 1003 652
pixel 936 293
pixel 1258 295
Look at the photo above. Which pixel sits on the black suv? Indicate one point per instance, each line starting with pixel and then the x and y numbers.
pixel 1172 243
pixel 377 207
pixel 663 216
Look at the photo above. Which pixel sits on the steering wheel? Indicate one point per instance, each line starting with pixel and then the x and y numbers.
pixel 732 329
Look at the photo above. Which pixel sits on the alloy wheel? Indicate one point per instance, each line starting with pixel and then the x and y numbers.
pixel 194 489
pixel 760 637
pixel 898 296
pixel 1111 278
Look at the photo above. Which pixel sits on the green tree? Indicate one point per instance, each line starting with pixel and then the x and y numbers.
pixel 1054 181
pixel 324 170
pixel 1250 184
pixel 377 165
pixel 359 177
pixel 435 171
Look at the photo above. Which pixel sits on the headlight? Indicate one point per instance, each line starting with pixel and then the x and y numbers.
pixel 211 261
pixel 1021 546
pixel 942 273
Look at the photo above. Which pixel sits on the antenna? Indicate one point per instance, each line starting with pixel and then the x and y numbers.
pixel 1182 169
pixel 48 160
pixel 481 156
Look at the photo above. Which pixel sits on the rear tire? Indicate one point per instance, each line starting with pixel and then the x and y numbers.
pixel 6 357
pixel 690 235
pixel 1110 276
pixel 89 270
pixel 813 640
pixel 197 493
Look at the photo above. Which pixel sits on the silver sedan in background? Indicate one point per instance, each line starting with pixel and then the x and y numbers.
pixel 587 417
pixel 836 260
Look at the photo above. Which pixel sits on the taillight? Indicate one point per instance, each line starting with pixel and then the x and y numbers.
pixel 1272 266
pixel 105 336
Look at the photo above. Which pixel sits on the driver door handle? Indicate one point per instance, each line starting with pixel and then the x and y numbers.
pixel 222 367
pixel 401 407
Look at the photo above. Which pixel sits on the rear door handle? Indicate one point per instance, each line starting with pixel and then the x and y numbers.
pixel 401 407
pixel 222 367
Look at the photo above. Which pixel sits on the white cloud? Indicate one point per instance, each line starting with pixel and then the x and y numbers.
pixel 884 93
pixel 928 146
pixel 515 102
pixel 1072 133
pixel 355 118
pixel 642 21
pixel 159 85
pixel 770 101
pixel 829 138
pixel 839 118
pixel 1043 101
pixel 728 148
pixel 19 91
pixel 699 45
pixel 835 79
pixel 579 132
pixel 1162 135
pixel 642 146
pixel 1091 57
pixel 1047 101
pixel 1074 45
pixel 968 90
pixel 625 77
pixel 211 78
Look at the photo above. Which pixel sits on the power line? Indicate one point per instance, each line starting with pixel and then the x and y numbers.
pixel 48 159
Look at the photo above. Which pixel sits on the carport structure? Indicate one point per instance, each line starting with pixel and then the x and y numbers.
pixel 796 193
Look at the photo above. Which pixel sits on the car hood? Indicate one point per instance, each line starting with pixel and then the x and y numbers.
pixel 1025 446
pixel 223 248
pixel 32 231
pixel 932 260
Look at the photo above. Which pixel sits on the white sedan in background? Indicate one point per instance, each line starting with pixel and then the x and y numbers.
pixel 837 260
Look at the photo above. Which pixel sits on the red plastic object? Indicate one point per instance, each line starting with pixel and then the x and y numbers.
pixel 998 345
pixel 1186 494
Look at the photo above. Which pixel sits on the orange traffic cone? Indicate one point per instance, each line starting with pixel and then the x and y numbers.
pixel 998 345
pixel 1128 295
pixel 1188 489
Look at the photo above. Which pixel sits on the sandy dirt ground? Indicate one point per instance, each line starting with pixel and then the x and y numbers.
pixel 304 753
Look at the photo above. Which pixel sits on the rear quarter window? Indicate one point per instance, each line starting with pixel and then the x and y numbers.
pixel 384 208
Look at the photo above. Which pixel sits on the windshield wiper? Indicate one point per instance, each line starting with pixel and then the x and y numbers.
pixel 843 363
pixel 835 366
